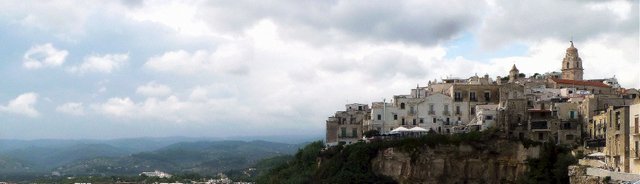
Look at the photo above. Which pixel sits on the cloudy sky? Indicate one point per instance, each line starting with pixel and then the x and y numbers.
pixel 111 69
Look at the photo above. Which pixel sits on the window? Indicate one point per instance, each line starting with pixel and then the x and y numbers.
pixel 446 109
pixel 569 137
pixel 540 136
pixel 354 132
pixel 472 96
pixel 617 120
pixel 379 117
pixel 473 110
pixel 414 121
pixel 488 117
pixel 539 125
pixel 411 110
pixel 572 114
pixel 487 96
pixel 457 96
pixel 359 108
pixel 458 110
pixel 395 117
pixel 447 121
pixel 434 120
pixel 431 109
pixel 421 120
pixel 401 105
pixel 343 132
pixel 636 124
pixel 567 65
pixel 636 151
pixel 402 121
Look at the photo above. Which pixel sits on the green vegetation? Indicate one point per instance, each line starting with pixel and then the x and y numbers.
pixel 551 167
pixel 352 163
pixel 261 168
pixel 204 157
pixel 184 178
pixel 371 133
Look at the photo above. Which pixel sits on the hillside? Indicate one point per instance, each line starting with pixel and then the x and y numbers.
pixel 205 157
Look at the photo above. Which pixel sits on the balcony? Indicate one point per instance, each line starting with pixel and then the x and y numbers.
pixel 539 126
pixel 446 113
pixel 432 112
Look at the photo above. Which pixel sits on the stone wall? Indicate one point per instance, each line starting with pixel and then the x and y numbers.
pixel 496 162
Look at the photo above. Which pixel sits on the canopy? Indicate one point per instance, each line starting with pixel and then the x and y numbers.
pixel 596 154
pixel 418 129
pixel 399 129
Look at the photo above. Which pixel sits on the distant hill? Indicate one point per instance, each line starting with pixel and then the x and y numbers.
pixel 42 159
pixel 204 157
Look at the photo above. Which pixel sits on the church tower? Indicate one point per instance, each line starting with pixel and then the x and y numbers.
pixel 513 73
pixel 572 64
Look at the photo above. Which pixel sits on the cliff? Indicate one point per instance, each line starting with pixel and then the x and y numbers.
pixel 496 161
pixel 475 157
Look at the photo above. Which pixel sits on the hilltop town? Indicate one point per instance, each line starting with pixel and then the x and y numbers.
pixel 598 117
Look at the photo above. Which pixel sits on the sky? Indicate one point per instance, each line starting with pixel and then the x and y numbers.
pixel 117 69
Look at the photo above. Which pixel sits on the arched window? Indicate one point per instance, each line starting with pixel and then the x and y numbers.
pixel 401 105
pixel 567 64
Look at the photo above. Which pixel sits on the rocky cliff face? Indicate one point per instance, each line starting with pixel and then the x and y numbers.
pixel 578 174
pixel 499 161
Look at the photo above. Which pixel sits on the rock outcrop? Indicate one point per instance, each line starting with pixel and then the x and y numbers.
pixel 499 161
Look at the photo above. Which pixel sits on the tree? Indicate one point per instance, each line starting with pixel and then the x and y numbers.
pixel 371 133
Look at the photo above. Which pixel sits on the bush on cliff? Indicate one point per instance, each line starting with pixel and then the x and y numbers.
pixel 551 167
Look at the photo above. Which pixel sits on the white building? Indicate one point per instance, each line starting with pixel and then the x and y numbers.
pixel 486 116
pixel 156 173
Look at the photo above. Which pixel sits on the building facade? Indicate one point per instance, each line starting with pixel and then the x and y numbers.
pixel 347 126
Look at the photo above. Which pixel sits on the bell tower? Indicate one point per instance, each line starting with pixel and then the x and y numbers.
pixel 572 64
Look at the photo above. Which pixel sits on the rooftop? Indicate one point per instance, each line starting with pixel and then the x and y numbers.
pixel 580 82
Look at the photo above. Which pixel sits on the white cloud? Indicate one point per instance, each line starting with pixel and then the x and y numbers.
pixel 513 21
pixel 72 108
pixel 22 105
pixel 197 107
pixel 227 58
pixel 44 55
pixel 153 89
pixel 101 63
pixel 118 107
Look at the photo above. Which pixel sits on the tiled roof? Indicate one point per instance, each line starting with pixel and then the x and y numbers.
pixel 581 83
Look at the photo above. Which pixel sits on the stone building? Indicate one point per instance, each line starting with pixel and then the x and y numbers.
pixel 513 74
pixel 591 106
pixel 572 64
pixel 597 132
pixel 634 138
pixel 347 126
pixel 617 137
pixel 541 123
pixel 512 111
pixel 570 124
